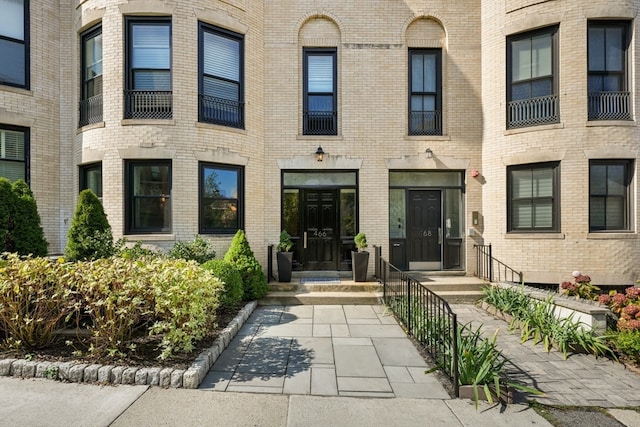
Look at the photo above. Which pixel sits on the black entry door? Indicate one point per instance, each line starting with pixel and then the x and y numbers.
pixel 424 229
pixel 321 234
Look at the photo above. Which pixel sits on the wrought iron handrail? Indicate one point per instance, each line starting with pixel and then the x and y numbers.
pixel 148 104
pixel 320 122
pixel 533 111
pixel 425 122
pixel 609 105
pixel 90 110
pixel 426 316
pixel 212 109
pixel 487 267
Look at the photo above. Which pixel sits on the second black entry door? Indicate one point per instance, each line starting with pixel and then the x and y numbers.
pixel 321 234
pixel 424 231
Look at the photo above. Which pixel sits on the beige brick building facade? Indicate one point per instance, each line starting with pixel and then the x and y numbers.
pixel 431 145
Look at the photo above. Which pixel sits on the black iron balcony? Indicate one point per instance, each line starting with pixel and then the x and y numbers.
pixel 90 110
pixel 609 105
pixel 146 104
pixel 533 112
pixel 425 123
pixel 221 111
pixel 320 123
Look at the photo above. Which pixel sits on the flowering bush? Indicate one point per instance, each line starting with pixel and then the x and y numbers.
pixel 626 306
pixel 581 287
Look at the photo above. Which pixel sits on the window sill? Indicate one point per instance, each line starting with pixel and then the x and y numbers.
pixel 534 236
pixel 89 127
pixel 427 138
pixel 612 235
pixel 148 122
pixel 213 126
pixel 534 128
pixel 599 123
pixel 320 137
pixel 18 90
pixel 150 237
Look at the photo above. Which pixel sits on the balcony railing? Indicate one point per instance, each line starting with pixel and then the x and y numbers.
pixel 320 123
pixel 90 110
pixel 609 105
pixel 533 111
pixel 221 111
pixel 425 123
pixel 145 104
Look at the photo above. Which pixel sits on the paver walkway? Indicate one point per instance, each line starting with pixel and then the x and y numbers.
pixel 328 350
pixel 580 380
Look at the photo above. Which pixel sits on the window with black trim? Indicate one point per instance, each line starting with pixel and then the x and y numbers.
pixel 148 196
pixel 533 200
pixel 14 43
pixel 148 93
pixel 91 178
pixel 14 153
pixel 609 195
pixel 221 198
pixel 91 91
pixel 532 78
pixel 320 115
pixel 221 84
pixel 609 97
pixel 425 94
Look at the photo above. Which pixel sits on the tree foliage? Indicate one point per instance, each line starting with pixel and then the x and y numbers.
pixel 90 234
pixel 20 225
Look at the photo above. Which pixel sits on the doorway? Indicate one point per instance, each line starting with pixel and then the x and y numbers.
pixel 319 229
pixel 424 230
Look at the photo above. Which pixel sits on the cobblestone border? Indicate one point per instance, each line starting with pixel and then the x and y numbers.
pixel 110 374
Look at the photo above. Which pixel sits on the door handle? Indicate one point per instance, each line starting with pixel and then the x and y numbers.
pixel 305 240
pixel 439 235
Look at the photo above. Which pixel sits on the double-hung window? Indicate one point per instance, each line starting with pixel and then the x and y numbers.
pixel 14 43
pixel 425 97
pixel 609 194
pixel 14 153
pixel 532 79
pixel 148 196
pixel 533 201
pixel 609 97
pixel 91 93
pixel 148 92
pixel 221 198
pixel 320 115
pixel 221 86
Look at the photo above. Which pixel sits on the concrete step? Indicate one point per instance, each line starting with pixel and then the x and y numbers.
pixel 321 298
pixel 460 297
pixel 345 286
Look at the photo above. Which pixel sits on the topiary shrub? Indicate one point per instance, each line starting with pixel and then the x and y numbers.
pixel 90 235
pixel 198 250
pixel 253 278
pixel 27 234
pixel 228 273
pixel 7 201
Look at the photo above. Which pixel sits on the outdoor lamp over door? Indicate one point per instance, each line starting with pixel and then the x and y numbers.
pixel 428 153
pixel 319 154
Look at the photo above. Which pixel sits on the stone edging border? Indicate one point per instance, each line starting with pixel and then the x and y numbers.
pixel 109 374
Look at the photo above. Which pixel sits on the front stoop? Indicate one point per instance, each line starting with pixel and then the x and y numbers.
pixel 455 289
pixel 343 293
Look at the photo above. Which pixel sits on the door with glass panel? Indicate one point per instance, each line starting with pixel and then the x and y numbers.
pixel 424 231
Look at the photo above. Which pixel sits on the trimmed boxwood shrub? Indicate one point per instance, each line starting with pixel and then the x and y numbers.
pixel 198 250
pixel 90 234
pixel 232 289
pixel 253 278
pixel 20 225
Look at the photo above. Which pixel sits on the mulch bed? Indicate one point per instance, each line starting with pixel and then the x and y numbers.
pixel 145 354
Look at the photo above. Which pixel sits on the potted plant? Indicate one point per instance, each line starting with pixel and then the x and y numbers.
pixel 284 257
pixel 360 258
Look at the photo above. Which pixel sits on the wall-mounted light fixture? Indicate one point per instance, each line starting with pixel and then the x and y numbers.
pixel 319 154
pixel 428 153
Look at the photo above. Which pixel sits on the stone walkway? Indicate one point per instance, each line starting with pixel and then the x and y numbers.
pixel 580 380
pixel 328 350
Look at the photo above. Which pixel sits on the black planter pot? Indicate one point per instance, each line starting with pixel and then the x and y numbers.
pixel 285 264
pixel 359 265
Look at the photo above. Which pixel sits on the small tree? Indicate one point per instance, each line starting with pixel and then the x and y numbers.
pixel 90 233
pixel 229 275
pixel 27 234
pixel 253 278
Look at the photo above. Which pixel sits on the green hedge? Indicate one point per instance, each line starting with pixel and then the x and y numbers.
pixel 232 289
